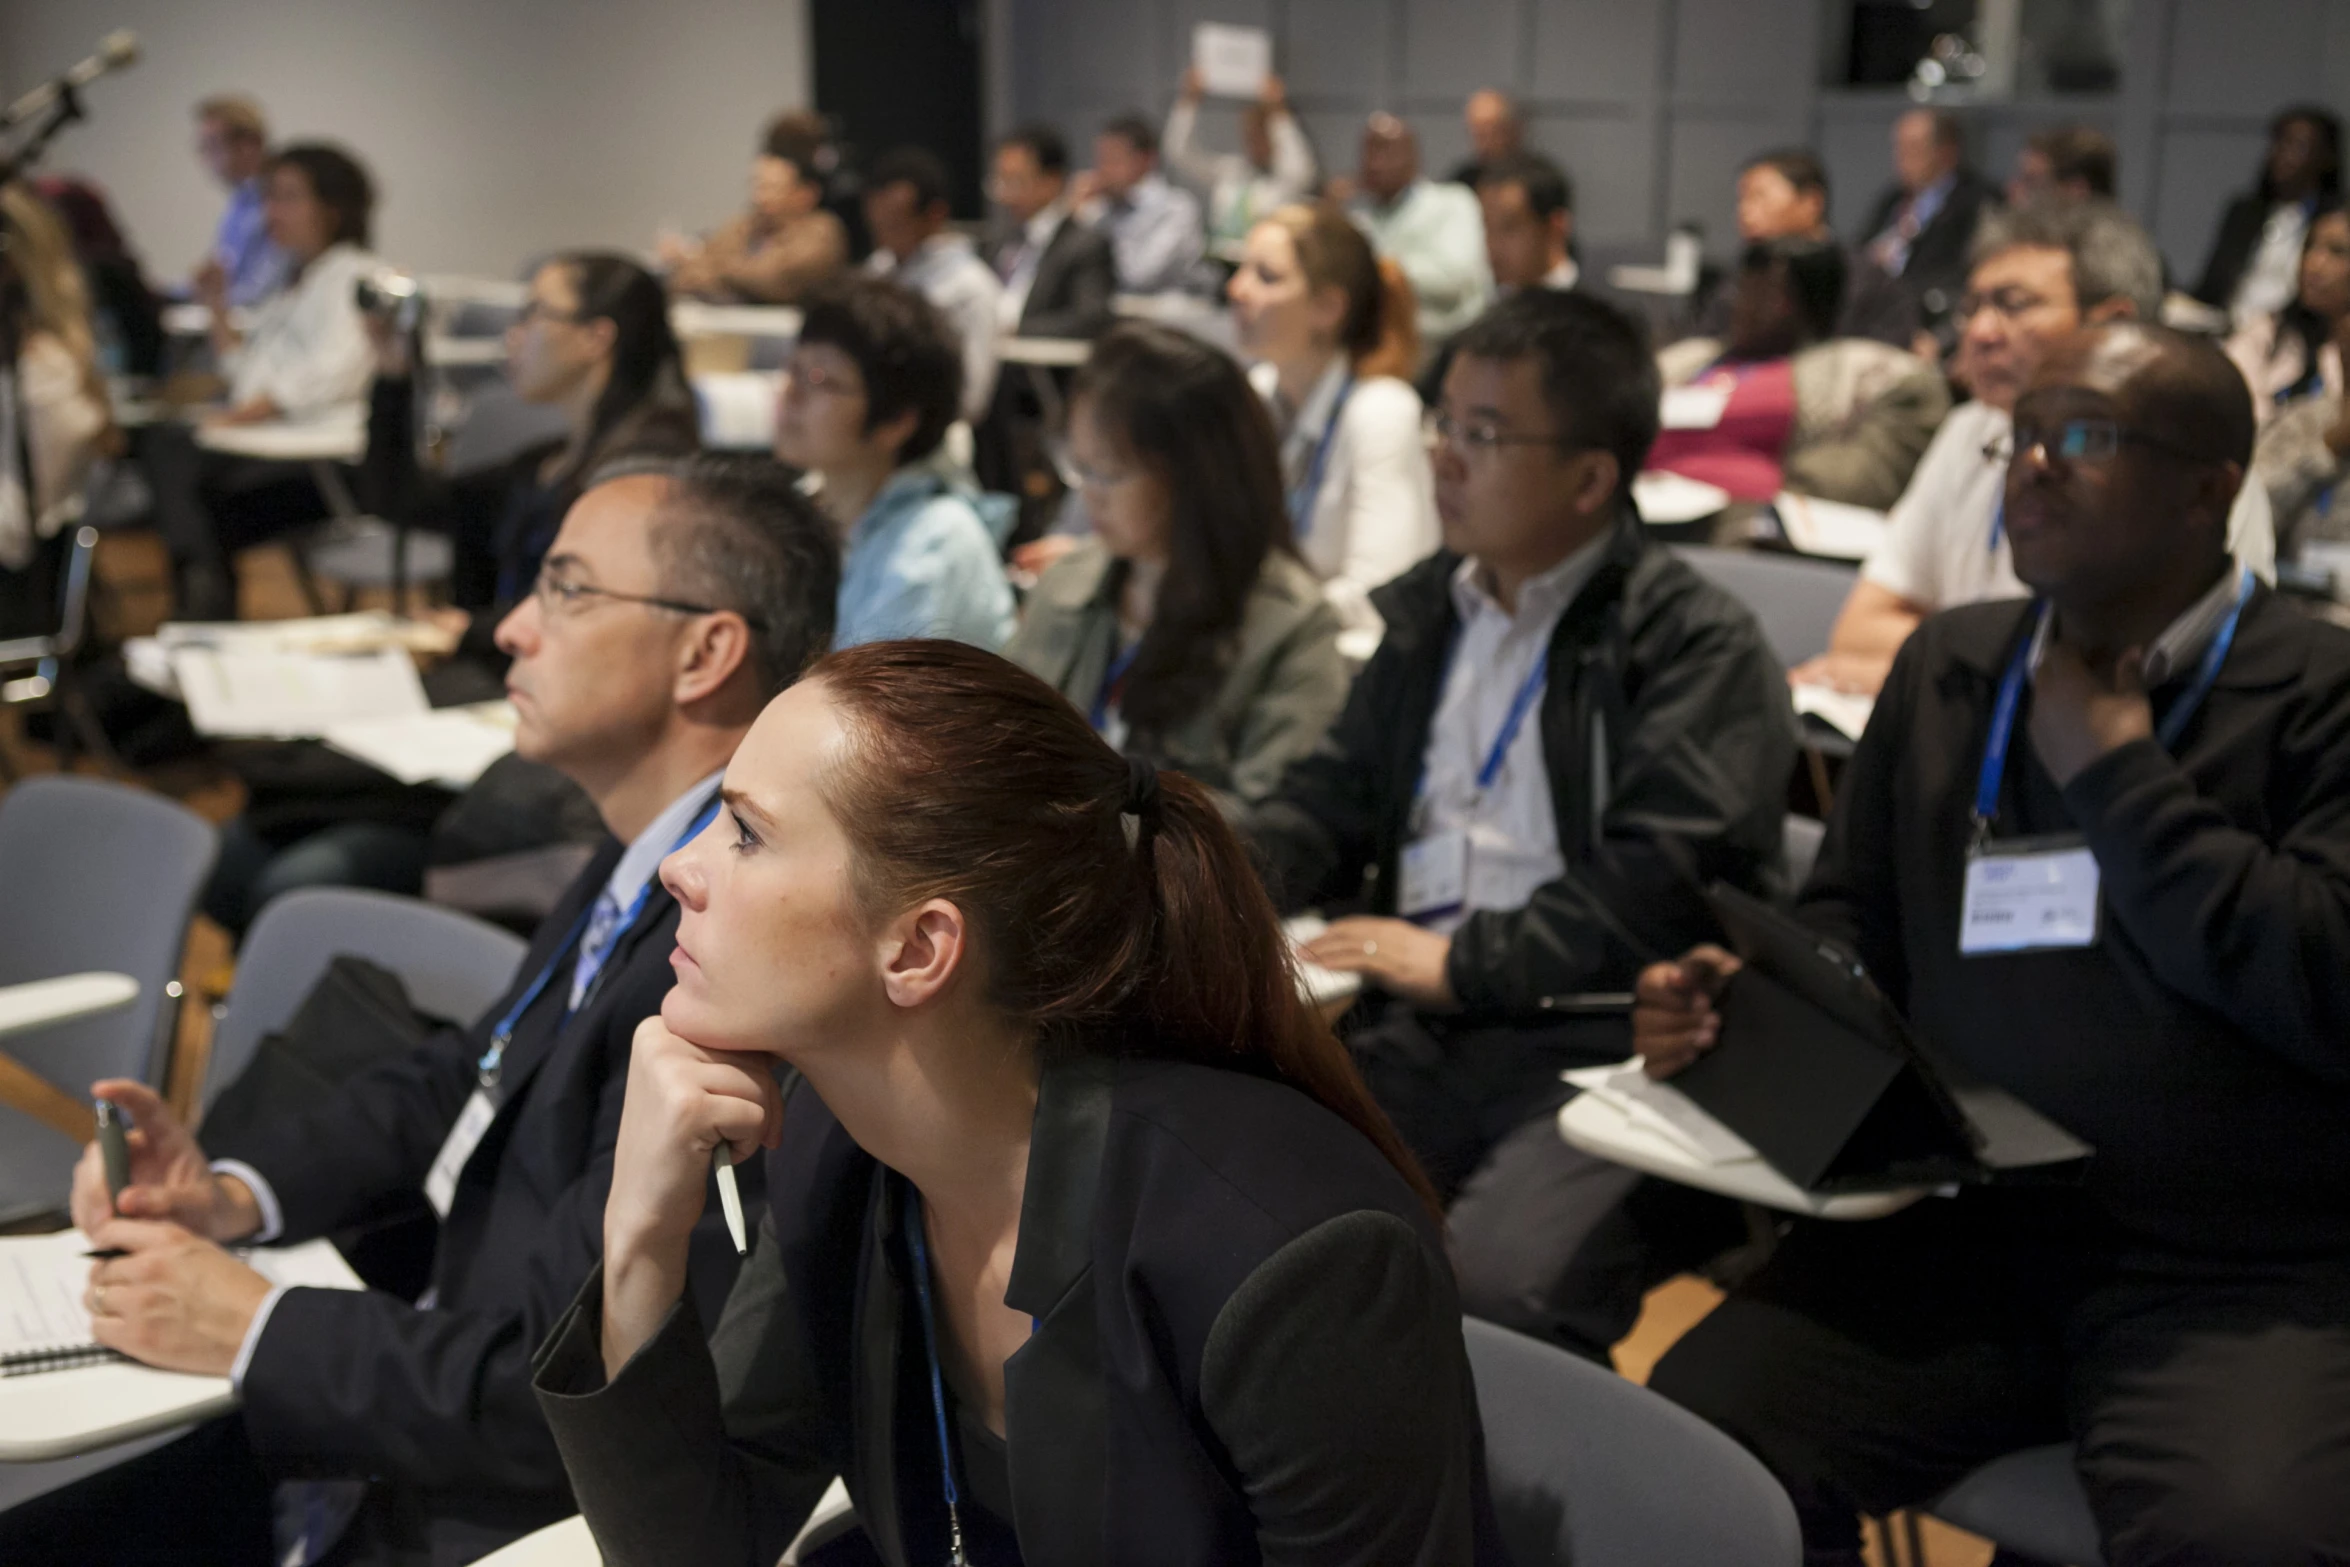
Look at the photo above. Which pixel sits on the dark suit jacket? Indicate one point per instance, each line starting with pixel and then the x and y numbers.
pixel 1074 281
pixel 1937 270
pixel 1247 1349
pixel 436 1404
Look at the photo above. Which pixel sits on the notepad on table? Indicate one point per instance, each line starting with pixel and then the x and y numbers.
pixel 449 746
pixel 44 1326
pixel 237 693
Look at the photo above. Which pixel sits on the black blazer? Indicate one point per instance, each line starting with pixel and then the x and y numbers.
pixel 1936 274
pixel 436 1404
pixel 1075 279
pixel 2232 248
pixel 1247 1349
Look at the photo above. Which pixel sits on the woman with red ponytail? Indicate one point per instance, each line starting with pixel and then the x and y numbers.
pixel 1084 1244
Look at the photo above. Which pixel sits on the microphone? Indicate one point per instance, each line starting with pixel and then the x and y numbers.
pixel 115 50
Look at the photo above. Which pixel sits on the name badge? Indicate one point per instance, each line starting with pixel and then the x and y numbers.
pixel 473 1123
pixel 1435 878
pixel 2029 895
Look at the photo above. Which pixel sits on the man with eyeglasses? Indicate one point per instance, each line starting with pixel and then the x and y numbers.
pixel 1563 737
pixel 670 608
pixel 2158 750
pixel 2039 273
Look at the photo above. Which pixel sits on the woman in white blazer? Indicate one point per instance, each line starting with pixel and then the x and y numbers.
pixel 1332 332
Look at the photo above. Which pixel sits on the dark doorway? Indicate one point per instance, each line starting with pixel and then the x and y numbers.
pixel 894 73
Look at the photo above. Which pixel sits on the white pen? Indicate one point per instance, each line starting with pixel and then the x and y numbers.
pixel 730 1197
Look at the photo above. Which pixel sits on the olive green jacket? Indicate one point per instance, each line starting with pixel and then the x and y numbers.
pixel 1283 679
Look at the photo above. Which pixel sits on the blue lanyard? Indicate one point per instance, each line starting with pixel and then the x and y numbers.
pixel 2011 691
pixel 1998 523
pixel 1520 706
pixel 487 1069
pixel 1303 498
pixel 938 1396
pixel 1113 682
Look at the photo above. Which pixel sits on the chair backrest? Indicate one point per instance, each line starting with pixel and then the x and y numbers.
pixel 97 875
pixel 73 607
pixel 1591 1469
pixel 453 965
pixel 1796 600
pixel 1802 838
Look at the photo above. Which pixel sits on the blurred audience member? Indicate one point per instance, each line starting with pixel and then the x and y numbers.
pixel 2063 163
pixel 1923 226
pixel 913 242
pixel 1333 338
pixel 1274 167
pixel 245 265
pixel 1436 233
pixel 2295 352
pixel 2255 257
pixel 1497 132
pixel 785 245
pixel 1152 226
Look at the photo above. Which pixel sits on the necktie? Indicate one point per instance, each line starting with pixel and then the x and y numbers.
pixel 595 945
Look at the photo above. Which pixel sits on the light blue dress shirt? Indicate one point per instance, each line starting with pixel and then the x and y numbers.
pixel 921 562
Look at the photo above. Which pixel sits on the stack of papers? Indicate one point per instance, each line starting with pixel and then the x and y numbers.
pixel 1663 1111
pixel 1665 498
pixel 252 694
pixel 1323 987
pixel 149 659
pixel 1846 712
pixel 450 746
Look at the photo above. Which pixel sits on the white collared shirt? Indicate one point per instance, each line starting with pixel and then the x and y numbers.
pixel 307 349
pixel 1512 827
pixel 635 869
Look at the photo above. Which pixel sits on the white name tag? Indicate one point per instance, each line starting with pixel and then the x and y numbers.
pixel 473 1123
pixel 1693 407
pixel 2029 895
pixel 1435 875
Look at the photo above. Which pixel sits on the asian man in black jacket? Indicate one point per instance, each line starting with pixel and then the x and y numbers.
pixel 2146 769
pixel 670 607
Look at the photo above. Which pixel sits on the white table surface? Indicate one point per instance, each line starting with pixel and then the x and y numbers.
pixel 40 1002
pixel 690 319
pixel 569 1544
pixel 323 440
pixel 1596 1126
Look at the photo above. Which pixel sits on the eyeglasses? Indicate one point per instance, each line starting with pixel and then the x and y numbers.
pixel 2088 441
pixel 537 309
pixel 561 594
pixel 2005 303
pixel 1473 436
pixel 814 380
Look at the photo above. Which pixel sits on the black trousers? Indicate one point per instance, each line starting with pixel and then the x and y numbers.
pixel 199 1499
pixel 1872 1365
pixel 1545 1240
pixel 209 506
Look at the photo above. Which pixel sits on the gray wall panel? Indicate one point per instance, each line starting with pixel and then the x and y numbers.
pixel 1339 48
pixel 2237 57
pixel 1452 49
pixel 1605 50
pixel 2202 171
pixel 1609 159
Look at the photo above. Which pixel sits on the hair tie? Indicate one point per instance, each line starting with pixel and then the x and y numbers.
pixel 1142 791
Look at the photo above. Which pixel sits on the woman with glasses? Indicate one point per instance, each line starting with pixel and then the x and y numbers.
pixel 1332 332
pixel 1084 1242
pixel 875 382
pixel 1186 629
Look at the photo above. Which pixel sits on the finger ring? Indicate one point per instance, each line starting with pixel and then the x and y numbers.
pixel 1370 949
pixel 97 1300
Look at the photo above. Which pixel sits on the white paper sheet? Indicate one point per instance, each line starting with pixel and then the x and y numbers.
pixel 1829 529
pixel 235 694
pixel 43 1277
pixel 1669 498
pixel 450 746
pixel 1846 712
pixel 1663 1109
pixel 1323 987
pixel 1233 62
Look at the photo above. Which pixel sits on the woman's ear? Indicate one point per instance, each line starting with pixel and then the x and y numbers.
pixel 1328 306
pixel 921 951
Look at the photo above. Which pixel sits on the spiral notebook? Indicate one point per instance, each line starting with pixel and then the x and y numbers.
pixel 43 1326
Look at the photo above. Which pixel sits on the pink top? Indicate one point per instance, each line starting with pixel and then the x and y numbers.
pixel 1742 452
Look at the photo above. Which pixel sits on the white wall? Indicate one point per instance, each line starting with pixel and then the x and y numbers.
pixel 495 129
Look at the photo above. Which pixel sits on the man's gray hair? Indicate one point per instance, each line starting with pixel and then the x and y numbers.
pixel 735 533
pixel 2113 258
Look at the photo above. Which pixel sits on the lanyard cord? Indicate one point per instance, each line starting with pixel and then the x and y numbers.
pixel 1307 495
pixel 938 1397
pixel 487 1070
pixel 1113 689
pixel 1514 720
pixel 2011 689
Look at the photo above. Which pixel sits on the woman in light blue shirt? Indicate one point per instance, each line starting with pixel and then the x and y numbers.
pixel 874 383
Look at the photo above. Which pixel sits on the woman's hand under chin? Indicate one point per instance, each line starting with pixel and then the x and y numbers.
pixel 682 1101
